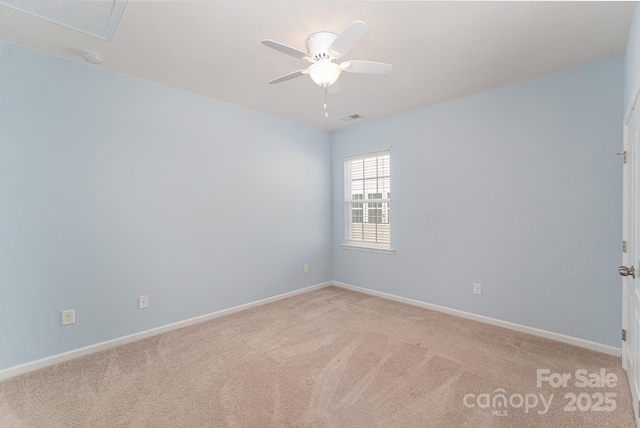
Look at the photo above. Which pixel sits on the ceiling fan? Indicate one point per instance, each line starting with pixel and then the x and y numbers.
pixel 324 48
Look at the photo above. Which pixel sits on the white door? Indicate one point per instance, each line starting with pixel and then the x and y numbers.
pixel 630 268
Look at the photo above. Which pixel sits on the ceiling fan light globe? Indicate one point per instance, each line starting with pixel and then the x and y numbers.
pixel 324 73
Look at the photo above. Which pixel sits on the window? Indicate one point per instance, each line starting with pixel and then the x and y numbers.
pixel 367 201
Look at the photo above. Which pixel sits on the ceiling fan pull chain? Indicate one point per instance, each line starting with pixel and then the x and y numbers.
pixel 326 112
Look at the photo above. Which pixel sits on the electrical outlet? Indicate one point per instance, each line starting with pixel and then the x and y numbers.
pixel 477 288
pixel 68 317
pixel 305 268
pixel 143 302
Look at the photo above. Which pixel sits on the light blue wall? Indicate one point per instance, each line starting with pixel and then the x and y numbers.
pixel 112 187
pixel 517 188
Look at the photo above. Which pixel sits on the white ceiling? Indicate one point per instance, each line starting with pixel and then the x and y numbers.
pixel 439 50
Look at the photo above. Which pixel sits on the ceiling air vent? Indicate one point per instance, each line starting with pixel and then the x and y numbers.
pixel 351 117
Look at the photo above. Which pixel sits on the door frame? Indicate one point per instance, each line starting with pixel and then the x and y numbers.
pixel 628 259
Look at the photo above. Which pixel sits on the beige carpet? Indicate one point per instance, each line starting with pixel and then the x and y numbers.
pixel 327 358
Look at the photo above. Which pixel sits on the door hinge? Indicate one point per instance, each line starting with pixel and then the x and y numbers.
pixel 624 246
pixel 624 335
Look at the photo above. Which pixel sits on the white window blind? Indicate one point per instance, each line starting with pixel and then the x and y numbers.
pixel 367 199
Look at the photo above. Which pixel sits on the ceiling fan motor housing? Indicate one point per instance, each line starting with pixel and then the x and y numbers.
pixel 318 45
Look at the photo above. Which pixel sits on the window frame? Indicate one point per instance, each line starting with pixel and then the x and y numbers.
pixel 369 205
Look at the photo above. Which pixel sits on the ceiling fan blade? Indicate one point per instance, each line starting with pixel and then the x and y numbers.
pixel 366 67
pixel 289 76
pixel 334 89
pixel 286 49
pixel 347 39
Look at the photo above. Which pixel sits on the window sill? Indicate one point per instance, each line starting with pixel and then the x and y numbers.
pixel 368 248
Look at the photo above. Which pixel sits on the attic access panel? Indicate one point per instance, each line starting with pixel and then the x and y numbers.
pixel 98 18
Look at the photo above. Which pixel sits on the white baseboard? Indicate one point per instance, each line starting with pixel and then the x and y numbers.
pixel 65 356
pixel 59 358
pixel 611 350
